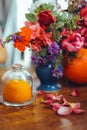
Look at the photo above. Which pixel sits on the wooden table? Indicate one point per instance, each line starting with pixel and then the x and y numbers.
pixel 38 116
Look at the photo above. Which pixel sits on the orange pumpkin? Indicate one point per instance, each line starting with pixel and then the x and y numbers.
pixel 76 69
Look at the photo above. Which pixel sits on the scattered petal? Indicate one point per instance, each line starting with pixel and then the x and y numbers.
pixel 49 101
pixel 64 110
pixel 75 105
pixel 61 105
pixel 75 93
pixel 40 92
pixel 56 106
pixel 65 102
pixel 78 111
pixel 50 96
pixel 59 97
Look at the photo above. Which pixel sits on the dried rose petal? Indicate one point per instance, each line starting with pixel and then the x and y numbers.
pixel 59 97
pixel 64 110
pixel 65 102
pixel 75 105
pixel 56 106
pixel 78 111
pixel 75 93
pixel 63 107
pixel 75 108
pixel 50 96
pixel 49 101
pixel 40 92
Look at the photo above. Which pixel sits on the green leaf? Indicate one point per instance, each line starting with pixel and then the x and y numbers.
pixel 43 7
pixel 51 7
pixel 63 16
pixel 56 35
pixel 58 17
pixel 59 25
pixel 31 17
pixel 43 52
pixel 37 10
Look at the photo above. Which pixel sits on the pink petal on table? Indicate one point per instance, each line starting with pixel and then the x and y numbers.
pixel 75 93
pixel 40 92
pixel 56 106
pixel 75 105
pixel 50 96
pixel 65 102
pixel 78 111
pixel 49 101
pixel 59 97
pixel 64 110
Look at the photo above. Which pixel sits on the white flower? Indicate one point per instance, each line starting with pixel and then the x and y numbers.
pixel 39 2
pixel 63 4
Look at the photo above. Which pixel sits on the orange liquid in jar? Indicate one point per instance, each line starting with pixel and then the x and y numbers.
pixel 17 91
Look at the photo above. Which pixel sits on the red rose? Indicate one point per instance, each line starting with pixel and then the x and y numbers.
pixel 45 18
pixel 85 41
pixel 83 12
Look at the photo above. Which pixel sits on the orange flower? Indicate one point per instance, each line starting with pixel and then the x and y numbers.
pixel 24 40
pixel 26 33
pixel 19 46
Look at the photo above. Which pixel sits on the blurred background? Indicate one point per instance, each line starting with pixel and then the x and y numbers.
pixel 12 17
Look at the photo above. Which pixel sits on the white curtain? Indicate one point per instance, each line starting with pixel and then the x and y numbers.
pixel 15 20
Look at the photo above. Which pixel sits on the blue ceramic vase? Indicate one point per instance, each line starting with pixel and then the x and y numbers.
pixel 48 82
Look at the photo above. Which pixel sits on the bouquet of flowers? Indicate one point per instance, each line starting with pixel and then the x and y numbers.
pixel 50 32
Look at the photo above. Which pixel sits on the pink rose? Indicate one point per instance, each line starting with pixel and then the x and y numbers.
pixel 45 18
pixel 73 43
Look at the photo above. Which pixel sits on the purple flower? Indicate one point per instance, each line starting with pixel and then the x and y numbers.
pixel 33 58
pixel 37 60
pixel 53 49
pixel 40 60
pixel 51 57
pixel 14 37
pixel 57 73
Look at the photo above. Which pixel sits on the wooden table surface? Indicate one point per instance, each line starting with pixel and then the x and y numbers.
pixel 38 116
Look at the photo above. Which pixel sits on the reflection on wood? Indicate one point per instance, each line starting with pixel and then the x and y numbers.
pixel 39 116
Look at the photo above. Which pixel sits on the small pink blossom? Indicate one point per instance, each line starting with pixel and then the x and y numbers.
pixel 73 43
pixel 39 33
pixel 66 33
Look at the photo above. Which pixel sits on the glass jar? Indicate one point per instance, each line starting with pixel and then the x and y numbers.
pixel 17 87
